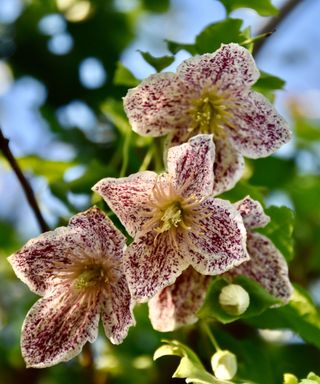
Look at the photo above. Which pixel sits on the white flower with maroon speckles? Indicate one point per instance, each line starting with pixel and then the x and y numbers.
pixel 176 305
pixel 210 94
pixel 79 272
pixel 174 220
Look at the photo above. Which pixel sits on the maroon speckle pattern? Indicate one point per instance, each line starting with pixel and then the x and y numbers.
pixel 59 324
pixel 191 166
pixel 267 266
pixel 177 304
pixel 252 213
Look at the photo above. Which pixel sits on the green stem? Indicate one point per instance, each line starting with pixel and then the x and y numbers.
pixel 208 331
pixel 257 38
pixel 147 159
pixel 158 154
pixel 125 153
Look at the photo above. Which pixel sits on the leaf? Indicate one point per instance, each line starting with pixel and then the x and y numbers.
pixel 263 7
pixel 114 111
pixel 158 63
pixel 190 367
pixel 308 130
pixel 226 31
pixel 260 300
pixel 174 47
pixel 50 169
pixel 241 190
pixel 300 315
pixel 280 229
pixel 268 82
pixel 156 6
pixel 125 77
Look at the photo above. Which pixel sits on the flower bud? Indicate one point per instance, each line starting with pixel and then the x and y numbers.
pixel 224 365
pixel 289 379
pixel 234 299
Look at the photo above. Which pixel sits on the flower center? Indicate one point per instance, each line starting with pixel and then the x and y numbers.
pixel 212 112
pixel 91 276
pixel 172 217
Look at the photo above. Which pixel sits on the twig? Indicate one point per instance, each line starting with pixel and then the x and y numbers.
pixel 274 23
pixel 4 146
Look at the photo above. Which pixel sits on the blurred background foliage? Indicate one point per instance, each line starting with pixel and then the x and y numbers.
pixel 61 82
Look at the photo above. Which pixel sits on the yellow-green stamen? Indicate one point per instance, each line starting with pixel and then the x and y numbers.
pixel 90 277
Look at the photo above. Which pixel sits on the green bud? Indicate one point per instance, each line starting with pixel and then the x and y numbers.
pixel 224 365
pixel 289 378
pixel 234 299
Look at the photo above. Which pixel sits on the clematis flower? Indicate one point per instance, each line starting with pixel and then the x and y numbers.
pixel 177 305
pixel 210 94
pixel 78 270
pixel 174 220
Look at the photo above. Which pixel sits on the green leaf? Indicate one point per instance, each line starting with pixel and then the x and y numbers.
pixel 269 82
pixel 307 129
pixel 300 315
pixel 124 77
pixel 263 7
pixel 158 63
pixel 50 169
pixel 114 111
pixel 260 300
pixel 242 189
pixel 226 31
pixel 280 229
pixel 156 6
pixel 174 47
pixel 190 367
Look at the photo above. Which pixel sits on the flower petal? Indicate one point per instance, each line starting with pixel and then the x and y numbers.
pixel 267 266
pixel 178 304
pixel 116 313
pixel 88 233
pixel 252 213
pixel 152 263
pixel 217 238
pixel 230 67
pixel 128 198
pixel 57 327
pixel 228 166
pixel 191 166
pixel 258 129
pixel 157 105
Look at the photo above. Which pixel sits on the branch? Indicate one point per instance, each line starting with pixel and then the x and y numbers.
pixel 4 146
pixel 274 23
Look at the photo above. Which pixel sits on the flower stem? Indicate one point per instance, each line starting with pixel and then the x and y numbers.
pixel 125 153
pixel 147 159
pixel 4 146
pixel 208 331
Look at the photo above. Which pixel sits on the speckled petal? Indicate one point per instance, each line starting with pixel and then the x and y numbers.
pixel 178 304
pixel 231 67
pixel 191 166
pixel 267 266
pixel 228 166
pixel 152 263
pixel 57 327
pixel 258 129
pixel 217 238
pixel 116 313
pixel 252 213
pixel 157 105
pixel 128 197
pixel 88 233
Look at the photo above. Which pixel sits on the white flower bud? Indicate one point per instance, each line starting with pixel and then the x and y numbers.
pixel 234 299
pixel 224 365
pixel 289 379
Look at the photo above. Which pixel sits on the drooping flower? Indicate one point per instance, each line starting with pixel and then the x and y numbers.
pixel 78 271
pixel 174 220
pixel 210 94
pixel 175 305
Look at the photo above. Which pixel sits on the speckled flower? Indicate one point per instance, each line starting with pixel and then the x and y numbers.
pixel 174 220
pixel 78 270
pixel 210 94
pixel 177 305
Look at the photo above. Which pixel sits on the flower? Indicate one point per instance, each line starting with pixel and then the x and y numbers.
pixel 210 94
pixel 174 220
pixel 78 270
pixel 175 305
pixel 224 364
pixel 234 299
